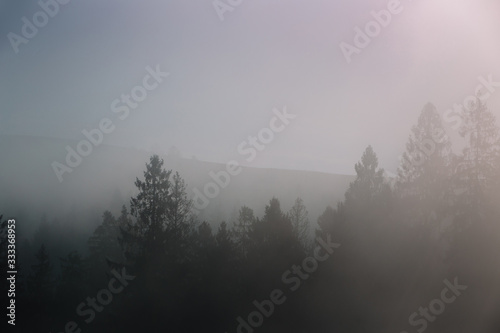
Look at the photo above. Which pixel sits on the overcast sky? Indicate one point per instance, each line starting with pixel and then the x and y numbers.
pixel 227 76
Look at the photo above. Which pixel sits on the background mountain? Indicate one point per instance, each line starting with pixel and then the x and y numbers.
pixel 105 180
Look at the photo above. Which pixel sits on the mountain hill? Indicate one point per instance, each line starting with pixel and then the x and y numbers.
pixel 105 180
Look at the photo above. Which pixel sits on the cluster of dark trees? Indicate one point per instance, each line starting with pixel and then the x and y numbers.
pixel 399 240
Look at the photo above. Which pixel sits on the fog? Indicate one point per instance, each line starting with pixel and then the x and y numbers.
pixel 253 166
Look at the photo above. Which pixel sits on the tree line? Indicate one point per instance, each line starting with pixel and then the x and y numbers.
pixel 400 238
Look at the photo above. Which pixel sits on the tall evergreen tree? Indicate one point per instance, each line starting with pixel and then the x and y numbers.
pixel 104 241
pixel 179 219
pixel 275 227
pixel 243 228
pixel 474 232
pixel 298 215
pixel 428 152
pixel 423 181
pixel 369 190
pixel 151 205
pixel 478 166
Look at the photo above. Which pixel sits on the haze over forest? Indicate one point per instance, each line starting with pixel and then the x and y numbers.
pixel 250 166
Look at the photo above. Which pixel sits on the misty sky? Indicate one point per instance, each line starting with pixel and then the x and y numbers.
pixel 227 76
